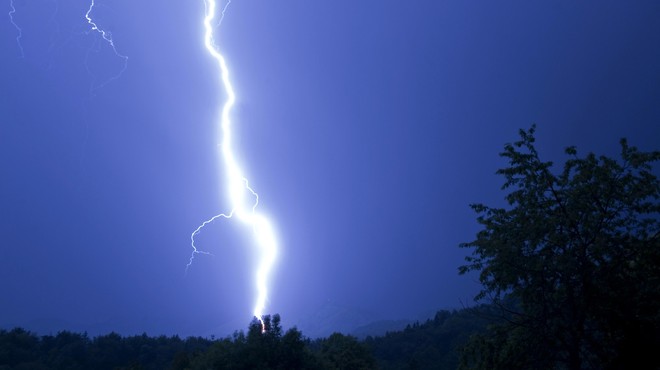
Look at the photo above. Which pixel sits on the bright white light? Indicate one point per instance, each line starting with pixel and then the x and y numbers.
pixel 243 199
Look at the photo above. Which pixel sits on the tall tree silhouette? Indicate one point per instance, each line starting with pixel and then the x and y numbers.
pixel 573 262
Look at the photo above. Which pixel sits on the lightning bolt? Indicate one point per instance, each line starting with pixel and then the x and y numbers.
pixel 20 31
pixel 107 36
pixel 243 198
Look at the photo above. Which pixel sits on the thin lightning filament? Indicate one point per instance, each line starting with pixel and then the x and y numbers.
pixel 108 38
pixel 12 11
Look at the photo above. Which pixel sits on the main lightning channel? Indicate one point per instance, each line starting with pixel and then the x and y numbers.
pixel 244 200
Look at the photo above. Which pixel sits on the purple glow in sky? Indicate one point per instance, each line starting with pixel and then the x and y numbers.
pixel 366 127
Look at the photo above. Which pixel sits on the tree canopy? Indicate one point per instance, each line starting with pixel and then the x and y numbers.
pixel 573 262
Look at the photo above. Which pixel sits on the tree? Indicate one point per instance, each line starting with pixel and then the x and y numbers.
pixel 573 262
pixel 340 351
pixel 263 347
pixel 432 344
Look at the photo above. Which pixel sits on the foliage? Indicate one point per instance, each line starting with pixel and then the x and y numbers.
pixel 21 349
pixel 433 344
pixel 261 348
pixel 340 351
pixel 573 262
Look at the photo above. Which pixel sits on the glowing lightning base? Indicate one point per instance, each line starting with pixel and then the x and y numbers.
pixel 243 199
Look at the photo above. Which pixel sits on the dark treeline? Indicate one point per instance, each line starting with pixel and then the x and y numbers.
pixel 21 349
pixel 435 344
pixel 432 344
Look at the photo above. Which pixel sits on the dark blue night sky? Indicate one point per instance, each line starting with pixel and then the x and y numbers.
pixel 367 127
